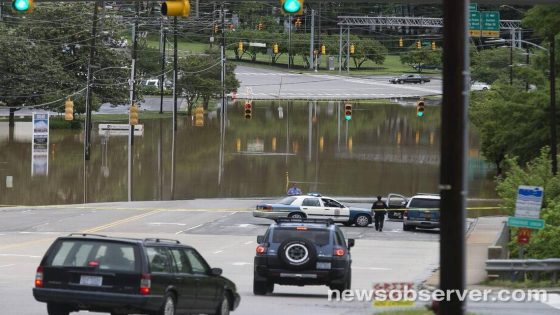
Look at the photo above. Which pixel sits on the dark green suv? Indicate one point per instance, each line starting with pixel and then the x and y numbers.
pixel 302 252
pixel 123 276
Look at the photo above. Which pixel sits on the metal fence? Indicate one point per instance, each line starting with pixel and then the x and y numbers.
pixel 512 269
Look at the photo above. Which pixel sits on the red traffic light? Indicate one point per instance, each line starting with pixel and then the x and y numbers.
pixel 248 110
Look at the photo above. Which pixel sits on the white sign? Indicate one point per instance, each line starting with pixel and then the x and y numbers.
pixel 40 144
pixel 119 129
pixel 257 44
pixel 9 182
pixel 529 202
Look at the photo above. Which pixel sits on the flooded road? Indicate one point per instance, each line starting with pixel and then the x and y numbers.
pixel 384 148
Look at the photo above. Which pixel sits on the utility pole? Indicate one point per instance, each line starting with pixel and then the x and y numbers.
pixel 527 62
pixel 289 41
pixel 512 32
pixel 87 140
pixel 175 58
pixel 553 141
pixel 311 40
pixel 162 77
pixel 223 75
pixel 453 167
pixel 132 101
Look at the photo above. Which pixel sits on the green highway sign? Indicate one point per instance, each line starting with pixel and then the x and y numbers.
pixel 526 223
pixel 474 23
pixel 490 23
pixel 473 7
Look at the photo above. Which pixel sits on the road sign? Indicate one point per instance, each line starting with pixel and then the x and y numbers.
pixel 529 202
pixel 490 23
pixel 474 24
pixel 119 129
pixel 523 236
pixel 473 7
pixel 526 223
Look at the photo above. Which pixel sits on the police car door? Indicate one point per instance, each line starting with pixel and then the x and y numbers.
pixel 313 208
pixel 397 202
pixel 335 210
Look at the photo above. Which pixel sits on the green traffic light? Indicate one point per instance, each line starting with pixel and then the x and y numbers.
pixel 420 114
pixel 292 6
pixel 348 117
pixel 21 5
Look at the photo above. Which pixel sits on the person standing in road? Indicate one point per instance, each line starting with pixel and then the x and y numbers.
pixel 294 190
pixel 379 208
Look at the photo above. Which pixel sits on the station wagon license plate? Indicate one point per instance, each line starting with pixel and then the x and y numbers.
pixel 93 281
pixel 323 265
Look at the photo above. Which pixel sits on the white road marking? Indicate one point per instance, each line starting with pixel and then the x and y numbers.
pixel 244 225
pixel 241 263
pixel 18 255
pixel 191 228
pixel 7 265
pixel 218 251
pixel 249 242
pixel 164 223
pixel 553 300
pixel 371 268
pixel 38 225
pixel 42 233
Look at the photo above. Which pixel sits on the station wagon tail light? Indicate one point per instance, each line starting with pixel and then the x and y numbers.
pixel 261 250
pixel 145 284
pixel 339 252
pixel 93 263
pixel 39 277
pixel 301 228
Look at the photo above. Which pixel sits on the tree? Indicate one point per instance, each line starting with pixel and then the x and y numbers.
pixel 417 58
pixel 200 77
pixel 368 49
pixel 511 122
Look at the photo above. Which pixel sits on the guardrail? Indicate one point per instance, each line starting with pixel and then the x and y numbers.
pixel 513 268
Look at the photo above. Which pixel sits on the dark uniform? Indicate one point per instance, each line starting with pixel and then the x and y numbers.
pixel 379 208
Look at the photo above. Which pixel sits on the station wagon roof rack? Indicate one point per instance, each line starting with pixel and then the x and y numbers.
pixel 86 234
pixel 327 222
pixel 159 240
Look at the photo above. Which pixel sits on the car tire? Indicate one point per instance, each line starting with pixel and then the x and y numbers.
pixel 57 309
pixel 168 307
pixel 270 287
pixel 296 215
pixel 297 253
pixel 401 81
pixel 260 287
pixel 346 285
pixel 362 220
pixel 224 307
pixel 408 227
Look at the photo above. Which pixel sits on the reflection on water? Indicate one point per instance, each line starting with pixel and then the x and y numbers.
pixel 382 149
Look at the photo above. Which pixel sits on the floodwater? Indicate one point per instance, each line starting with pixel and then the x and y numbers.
pixel 384 148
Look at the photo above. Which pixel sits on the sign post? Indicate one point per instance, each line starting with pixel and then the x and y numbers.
pixel 527 213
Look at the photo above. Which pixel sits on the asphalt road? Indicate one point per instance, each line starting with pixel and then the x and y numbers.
pixel 224 231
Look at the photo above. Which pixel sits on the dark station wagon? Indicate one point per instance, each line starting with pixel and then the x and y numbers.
pixel 124 276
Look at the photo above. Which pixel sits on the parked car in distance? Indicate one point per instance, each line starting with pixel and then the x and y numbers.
pixel 480 86
pixel 422 212
pixel 429 67
pixel 122 276
pixel 302 252
pixel 409 78
pixel 314 206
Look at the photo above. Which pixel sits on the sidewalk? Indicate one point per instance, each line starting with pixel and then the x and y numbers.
pixel 483 234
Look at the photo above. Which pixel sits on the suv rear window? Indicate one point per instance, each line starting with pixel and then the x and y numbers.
pixel 317 237
pixel 88 253
pixel 424 203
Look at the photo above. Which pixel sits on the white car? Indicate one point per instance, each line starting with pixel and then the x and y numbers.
pixel 313 206
pixel 480 86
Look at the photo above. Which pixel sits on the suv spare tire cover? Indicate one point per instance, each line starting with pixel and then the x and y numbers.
pixel 297 253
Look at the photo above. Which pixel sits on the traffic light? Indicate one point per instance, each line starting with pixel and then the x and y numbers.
pixel 401 42
pixel 176 8
pixel 240 47
pixel 352 49
pixel 294 7
pixel 420 108
pixel 418 44
pixel 275 49
pixel 248 110
pixel 199 116
pixel 22 5
pixel 216 29
pixel 68 110
pixel 348 111
pixel 323 50
pixel 133 115
pixel 433 45
pixel 260 26
pixel 298 22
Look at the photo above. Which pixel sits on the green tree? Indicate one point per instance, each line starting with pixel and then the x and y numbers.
pixel 368 49
pixel 200 78
pixel 416 58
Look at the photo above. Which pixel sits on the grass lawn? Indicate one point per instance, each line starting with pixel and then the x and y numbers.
pixel 521 284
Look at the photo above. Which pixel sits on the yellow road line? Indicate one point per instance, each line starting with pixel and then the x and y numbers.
pixel 119 222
